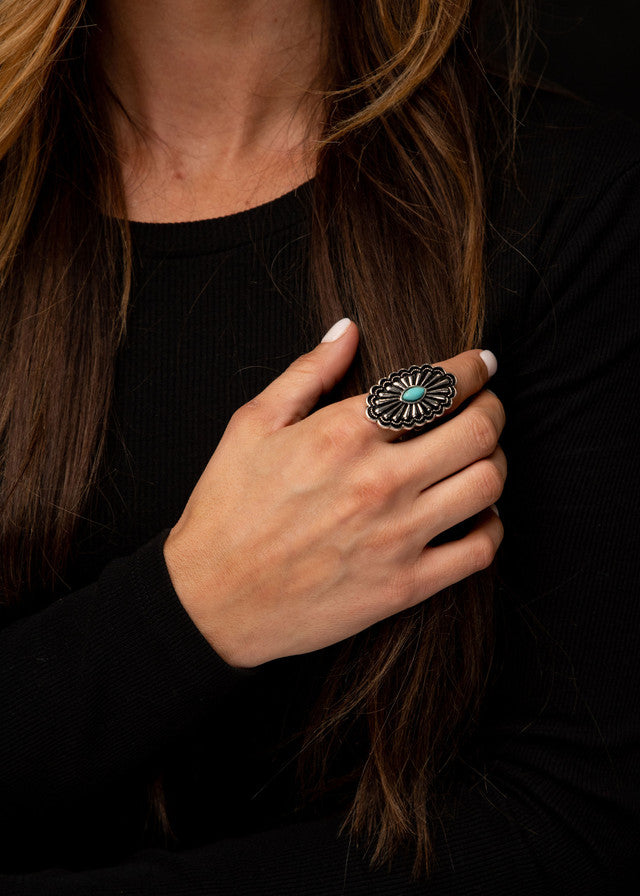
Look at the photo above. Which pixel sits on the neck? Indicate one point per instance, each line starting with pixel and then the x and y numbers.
pixel 222 91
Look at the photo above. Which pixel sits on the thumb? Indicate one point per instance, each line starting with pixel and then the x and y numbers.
pixel 295 393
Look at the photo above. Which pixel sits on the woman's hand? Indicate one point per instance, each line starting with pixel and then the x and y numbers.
pixel 306 528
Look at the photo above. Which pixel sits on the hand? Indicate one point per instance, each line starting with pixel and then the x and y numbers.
pixel 306 528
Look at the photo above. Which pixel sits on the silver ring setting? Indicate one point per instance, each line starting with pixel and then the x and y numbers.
pixel 411 397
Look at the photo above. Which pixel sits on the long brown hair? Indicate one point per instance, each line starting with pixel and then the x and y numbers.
pixel 412 129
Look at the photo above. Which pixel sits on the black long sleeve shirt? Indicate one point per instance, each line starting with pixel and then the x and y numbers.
pixel 112 682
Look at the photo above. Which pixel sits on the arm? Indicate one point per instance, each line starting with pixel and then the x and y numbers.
pixel 557 806
pixel 96 683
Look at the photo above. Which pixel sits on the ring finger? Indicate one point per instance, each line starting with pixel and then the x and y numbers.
pixel 458 497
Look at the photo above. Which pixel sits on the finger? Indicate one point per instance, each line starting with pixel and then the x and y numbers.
pixel 469 436
pixel 451 562
pixel 472 370
pixel 295 392
pixel 459 497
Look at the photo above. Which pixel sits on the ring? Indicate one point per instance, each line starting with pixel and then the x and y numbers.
pixel 411 397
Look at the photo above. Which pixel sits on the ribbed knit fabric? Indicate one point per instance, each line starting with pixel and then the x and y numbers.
pixel 112 684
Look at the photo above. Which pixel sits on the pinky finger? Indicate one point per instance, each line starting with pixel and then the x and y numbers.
pixel 451 562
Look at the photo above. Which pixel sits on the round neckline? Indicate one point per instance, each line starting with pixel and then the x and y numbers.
pixel 210 235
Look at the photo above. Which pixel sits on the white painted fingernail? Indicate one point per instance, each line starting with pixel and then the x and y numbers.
pixel 490 360
pixel 336 330
pixel 495 509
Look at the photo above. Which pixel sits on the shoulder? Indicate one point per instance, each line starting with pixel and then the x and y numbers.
pixel 569 153
pixel 565 127
pixel 566 216
pixel 567 144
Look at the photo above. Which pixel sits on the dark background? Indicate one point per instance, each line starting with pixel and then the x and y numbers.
pixel 592 47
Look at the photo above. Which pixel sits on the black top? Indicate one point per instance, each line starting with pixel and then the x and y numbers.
pixel 112 682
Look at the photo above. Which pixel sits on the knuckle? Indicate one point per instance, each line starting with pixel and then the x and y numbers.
pixel 482 551
pixel 251 410
pixel 490 481
pixel 500 459
pixel 499 411
pixel 479 369
pixel 495 409
pixel 483 432
pixel 307 367
pixel 370 490
pixel 401 590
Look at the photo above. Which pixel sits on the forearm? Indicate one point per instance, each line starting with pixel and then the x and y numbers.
pixel 99 681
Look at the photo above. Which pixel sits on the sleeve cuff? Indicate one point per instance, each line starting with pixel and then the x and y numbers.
pixel 186 668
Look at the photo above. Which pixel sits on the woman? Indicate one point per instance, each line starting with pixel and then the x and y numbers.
pixel 217 570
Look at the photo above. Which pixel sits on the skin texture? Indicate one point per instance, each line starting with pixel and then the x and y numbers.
pixel 222 114
pixel 307 527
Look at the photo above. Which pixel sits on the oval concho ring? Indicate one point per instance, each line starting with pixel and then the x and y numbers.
pixel 411 397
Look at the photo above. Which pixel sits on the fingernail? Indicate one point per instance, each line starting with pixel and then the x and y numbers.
pixel 490 360
pixel 336 330
pixel 495 509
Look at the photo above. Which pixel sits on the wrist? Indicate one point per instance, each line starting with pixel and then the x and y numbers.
pixel 200 595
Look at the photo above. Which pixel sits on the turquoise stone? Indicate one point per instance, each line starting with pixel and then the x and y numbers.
pixel 415 393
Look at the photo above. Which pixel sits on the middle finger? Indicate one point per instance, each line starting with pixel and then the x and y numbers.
pixel 471 373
